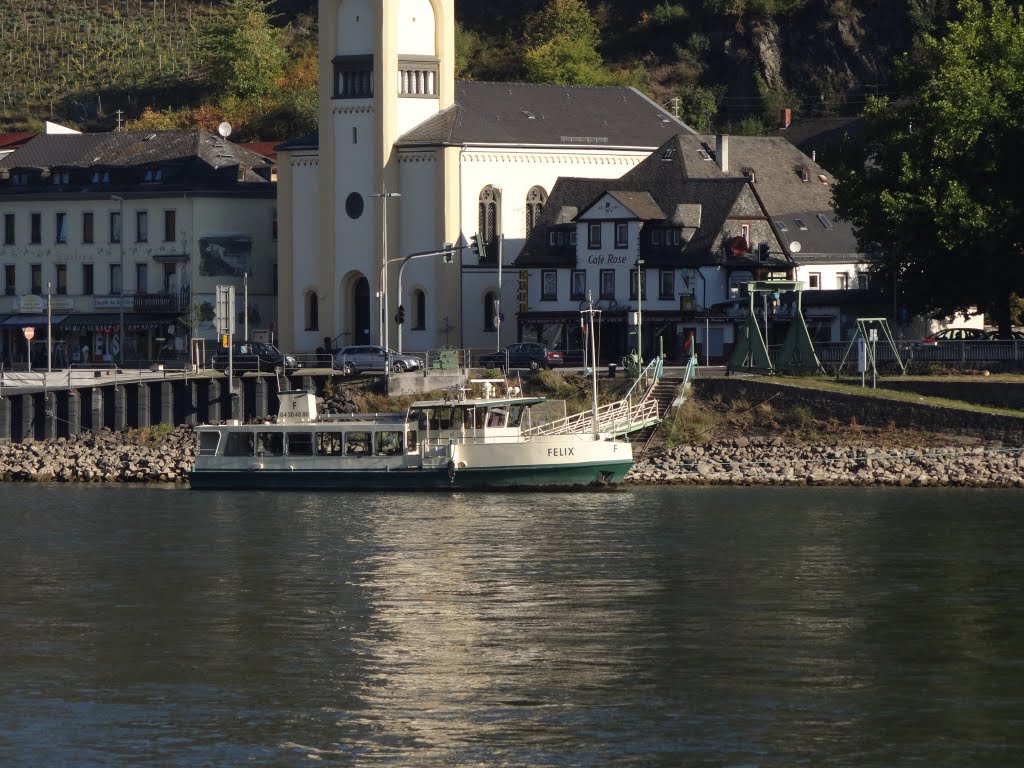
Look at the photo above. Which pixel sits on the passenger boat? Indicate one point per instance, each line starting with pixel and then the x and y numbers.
pixel 476 438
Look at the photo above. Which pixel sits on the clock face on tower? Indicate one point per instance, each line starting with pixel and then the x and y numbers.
pixel 354 205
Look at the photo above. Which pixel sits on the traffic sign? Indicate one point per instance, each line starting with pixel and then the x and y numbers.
pixel 29 332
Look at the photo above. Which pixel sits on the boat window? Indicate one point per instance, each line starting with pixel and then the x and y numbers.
pixel 358 444
pixel 300 443
pixel 496 417
pixel 515 415
pixel 270 444
pixel 389 443
pixel 449 418
pixel 411 441
pixel 239 444
pixel 328 443
pixel 208 442
pixel 476 418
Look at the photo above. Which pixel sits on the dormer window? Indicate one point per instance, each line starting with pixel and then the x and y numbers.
pixel 19 179
pixel 153 175
pixel 655 237
pixel 61 177
pixel 99 177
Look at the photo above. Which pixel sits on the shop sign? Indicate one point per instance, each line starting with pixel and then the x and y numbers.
pixel 113 302
pixel 62 304
pixel 31 304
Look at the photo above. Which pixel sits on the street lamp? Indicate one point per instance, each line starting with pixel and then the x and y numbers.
pixel 120 245
pixel 49 329
pixel 383 332
pixel 639 311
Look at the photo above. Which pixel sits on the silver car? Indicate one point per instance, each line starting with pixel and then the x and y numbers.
pixel 366 357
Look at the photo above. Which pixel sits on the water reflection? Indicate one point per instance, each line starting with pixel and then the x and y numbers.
pixel 650 627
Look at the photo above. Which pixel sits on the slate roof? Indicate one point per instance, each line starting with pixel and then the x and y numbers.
pixel 820 134
pixel 192 158
pixel 538 114
pixel 545 114
pixel 639 203
pixel 778 172
pixel 684 173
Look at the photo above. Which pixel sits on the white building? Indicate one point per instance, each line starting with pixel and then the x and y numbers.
pixel 134 225
pixel 457 159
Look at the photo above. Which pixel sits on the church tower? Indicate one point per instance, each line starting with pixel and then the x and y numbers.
pixel 385 67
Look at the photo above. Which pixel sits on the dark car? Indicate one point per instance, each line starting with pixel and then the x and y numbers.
pixel 256 356
pixel 1014 336
pixel 527 354
pixel 367 357
pixel 954 334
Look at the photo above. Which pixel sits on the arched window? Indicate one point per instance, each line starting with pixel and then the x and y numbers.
pixel 419 310
pixel 535 200
pixel 312 311
pixel 489 224
pixel 489 299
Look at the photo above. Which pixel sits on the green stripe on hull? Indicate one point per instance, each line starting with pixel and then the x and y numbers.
pixel 498 478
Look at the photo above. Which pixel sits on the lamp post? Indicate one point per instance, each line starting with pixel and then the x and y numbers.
pixel 383 332
pixel 49 329
pixel 120 296
pixel 639 311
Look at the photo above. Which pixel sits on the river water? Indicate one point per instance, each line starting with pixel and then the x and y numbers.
pixel 641 627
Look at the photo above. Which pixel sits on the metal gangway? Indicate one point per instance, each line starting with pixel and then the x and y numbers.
pixel 637 410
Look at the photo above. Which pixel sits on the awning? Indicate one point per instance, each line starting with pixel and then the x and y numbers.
pixel 99 321
pixel 31 321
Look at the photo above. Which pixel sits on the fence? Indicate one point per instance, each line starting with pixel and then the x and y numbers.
pixel 960 353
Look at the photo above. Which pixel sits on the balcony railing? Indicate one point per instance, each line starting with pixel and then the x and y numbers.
pixel 175 302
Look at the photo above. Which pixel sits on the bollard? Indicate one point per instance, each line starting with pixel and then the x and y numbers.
pixel 612 367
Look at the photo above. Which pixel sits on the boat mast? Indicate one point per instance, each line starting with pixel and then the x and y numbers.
pixel 593 361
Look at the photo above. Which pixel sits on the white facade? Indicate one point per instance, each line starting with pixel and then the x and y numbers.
pixel 67 253
pixel 333 228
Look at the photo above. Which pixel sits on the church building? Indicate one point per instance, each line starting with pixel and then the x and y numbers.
pixel 407 160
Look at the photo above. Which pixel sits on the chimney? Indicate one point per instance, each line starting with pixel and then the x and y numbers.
pixel 785 118
pixel 722 151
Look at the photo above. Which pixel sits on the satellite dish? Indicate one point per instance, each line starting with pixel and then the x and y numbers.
pixel 224 129
pixel 794 247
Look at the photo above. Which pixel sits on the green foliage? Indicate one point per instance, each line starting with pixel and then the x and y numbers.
pixel 562 43
pixel 569 61
pixel 562 20
pixel 240 50
pixel 666 13
pixel 699 106
pixel 467 50
pixel 933 196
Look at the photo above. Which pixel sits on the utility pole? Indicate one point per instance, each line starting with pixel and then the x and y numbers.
pixel 382 335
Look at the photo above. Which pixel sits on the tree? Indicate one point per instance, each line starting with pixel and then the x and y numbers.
pixel 561 45
pixel 934 198
pixel 241 51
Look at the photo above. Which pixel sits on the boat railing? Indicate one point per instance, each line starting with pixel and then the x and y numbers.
pixel 616 418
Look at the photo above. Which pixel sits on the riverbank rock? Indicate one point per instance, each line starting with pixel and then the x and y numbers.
pixel 102 457
pixel 768 461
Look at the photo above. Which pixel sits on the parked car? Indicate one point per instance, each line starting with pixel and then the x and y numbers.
pixel 527 354
pixel 255 356
pixel 366 357
pixel 954 334
pixel 1014 336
